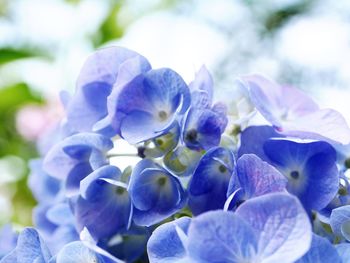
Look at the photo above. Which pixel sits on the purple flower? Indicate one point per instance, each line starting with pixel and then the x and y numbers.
pixel 310 168
pixel 293 113
pixel 208 186
pixel 104 70
pixel 204 123
pixel 155 193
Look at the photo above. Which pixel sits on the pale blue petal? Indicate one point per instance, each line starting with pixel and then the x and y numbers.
pixel 340 221
pixel 256 177
pixel 321 251
pixel 284 227
pixel 165 245
pixel 219 236
pixel 344 252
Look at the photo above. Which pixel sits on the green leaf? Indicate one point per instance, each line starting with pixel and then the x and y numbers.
pixel 17 95
pixel 74 2
pixel 277 19
pixel 11 99
pixel 110 29
pixel 10 54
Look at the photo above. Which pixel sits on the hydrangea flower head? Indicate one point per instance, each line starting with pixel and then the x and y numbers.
pixel 194 191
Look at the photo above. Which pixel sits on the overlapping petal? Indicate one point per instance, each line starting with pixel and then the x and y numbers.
pixel 321 251
pixel 283 226
pixel 100 73
pixel 293 113
pixel 208 186
pixel 104 206
pixel 310 168
pixel 254 178
pixel 155 193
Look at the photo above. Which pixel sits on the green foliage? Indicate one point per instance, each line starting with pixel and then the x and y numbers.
pixel 8 54
pixel 277 19
pixel 109 29
pixel 15 96
pixel 11 143
pixel 74 2
pixel 11 99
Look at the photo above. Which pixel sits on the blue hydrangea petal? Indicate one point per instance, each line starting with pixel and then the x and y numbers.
pixel 96 79
pixel 10 257
pixel 60 237
pixel 60 214
pixel 344 252
pixel 340 221
pixel 253 139
pixel 208 126
pixel 202 89
pixel 151 128
pixel 325 124
pixel 297 101
pixel 88 105
pixel 265 95
pixel 256 177
pixel 92 186
pixel 208 186
pixel 8 240
pixel 62 158
pixel 277 103
pixel 131 97
pixel 321 251
pixel 43 186
pixel 203 81
pixel 77 252
pixel 68 160
pixel 30 247
pixel 130 69
pixel 165 245
pixel 284 227
pixel 155 193
pixel 200 99
pixel 55 231
pixel 166 86
pixel 143 182
pixel 317 178
pixel 157 214
pixel 129 245
pixel 107 207
pixel 75 176
pixel 104 64
pixel 294 113
pixel 219 236
pixel 208 170
pixel 40 220
pixel 160 94
pixel 221 110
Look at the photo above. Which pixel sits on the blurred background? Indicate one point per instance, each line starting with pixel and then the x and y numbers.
pixel 43 44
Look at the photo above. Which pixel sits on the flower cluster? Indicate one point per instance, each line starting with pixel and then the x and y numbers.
pixel 208 186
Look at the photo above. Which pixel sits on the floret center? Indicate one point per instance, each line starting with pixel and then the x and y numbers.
pixel 162 115
pixel 162 181
pixel 294 174
pixel 347 163
pixel 222 168
pixel 191 135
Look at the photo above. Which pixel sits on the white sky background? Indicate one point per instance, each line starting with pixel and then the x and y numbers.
pixel 207 32
pixel 318 41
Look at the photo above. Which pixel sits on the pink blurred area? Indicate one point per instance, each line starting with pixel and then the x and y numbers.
pixel 33 121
